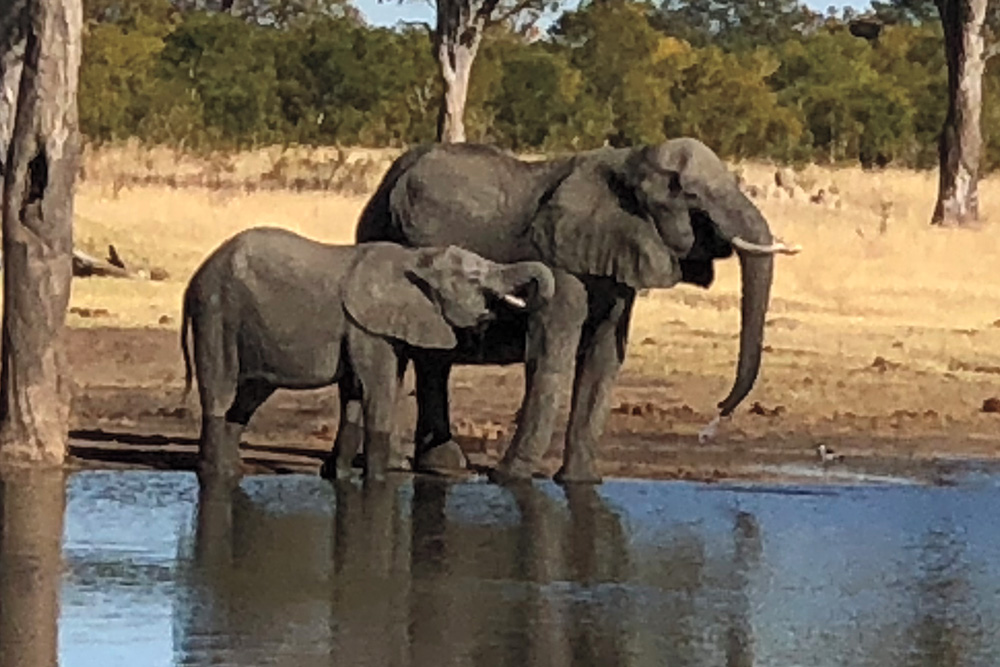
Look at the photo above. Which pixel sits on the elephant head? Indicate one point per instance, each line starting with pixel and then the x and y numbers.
pixel 658 215
pixel 418 295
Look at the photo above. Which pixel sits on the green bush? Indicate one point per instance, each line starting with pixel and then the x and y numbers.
pixel 799 87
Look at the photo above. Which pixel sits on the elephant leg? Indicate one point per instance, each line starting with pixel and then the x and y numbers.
pixel 601 355
pixel 220 455
pixel 374 361
pixel 434 449
pixel 378 407
pixel 217 366
pixel 552 340
pixel 218 451
pixel 350 432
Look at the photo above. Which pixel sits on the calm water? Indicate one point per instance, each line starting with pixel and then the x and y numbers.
pixel 294 571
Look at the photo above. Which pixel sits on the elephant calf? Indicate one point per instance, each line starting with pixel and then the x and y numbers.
pixel 271 309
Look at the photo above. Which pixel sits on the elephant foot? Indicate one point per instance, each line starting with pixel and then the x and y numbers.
pixel 445 459
pixel 331 470
pixel 377 449
pixel 398 461
pixel 219 452
pixel 577 474
pixel 512 471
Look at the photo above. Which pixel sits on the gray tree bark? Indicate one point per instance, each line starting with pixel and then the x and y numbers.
pixel 960 144
pixel 459 31
pixel 41 166
pixel 12 18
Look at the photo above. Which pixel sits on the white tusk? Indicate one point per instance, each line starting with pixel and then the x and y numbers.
pixel 515 301
pixel 776 248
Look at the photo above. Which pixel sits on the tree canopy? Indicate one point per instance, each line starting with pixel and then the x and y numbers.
pixel 767 80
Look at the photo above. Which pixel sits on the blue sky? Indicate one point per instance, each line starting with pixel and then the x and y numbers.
pixel 388 12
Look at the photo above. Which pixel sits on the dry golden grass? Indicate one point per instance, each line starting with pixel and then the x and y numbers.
pixel 176 229
pixel 926 300
pixel 332 168
pixel 874 280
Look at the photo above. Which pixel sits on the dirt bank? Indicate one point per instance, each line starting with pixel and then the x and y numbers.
pixel 128 412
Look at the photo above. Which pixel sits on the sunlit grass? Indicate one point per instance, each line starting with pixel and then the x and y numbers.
pixel 873 280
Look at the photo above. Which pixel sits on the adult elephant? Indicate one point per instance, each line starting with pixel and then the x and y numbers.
pixel 608 222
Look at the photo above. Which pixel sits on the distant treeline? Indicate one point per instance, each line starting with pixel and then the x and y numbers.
pixel 789 86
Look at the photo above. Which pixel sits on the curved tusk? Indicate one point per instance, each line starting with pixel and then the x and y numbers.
pixel 776 248
pixel 515 301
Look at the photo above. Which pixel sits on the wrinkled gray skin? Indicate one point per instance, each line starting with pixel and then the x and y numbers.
pixel 608 222
pixel 271 309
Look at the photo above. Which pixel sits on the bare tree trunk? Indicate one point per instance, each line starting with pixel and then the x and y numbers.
pixel 38 237
pixel 456 67
pixel 12 14
pixel 456 40
pixel 961 139
pixel 32 506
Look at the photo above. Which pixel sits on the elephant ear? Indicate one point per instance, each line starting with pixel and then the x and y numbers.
pixel 384 297
pixel 592 223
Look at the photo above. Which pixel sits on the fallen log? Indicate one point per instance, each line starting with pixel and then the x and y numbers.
pixel 85 265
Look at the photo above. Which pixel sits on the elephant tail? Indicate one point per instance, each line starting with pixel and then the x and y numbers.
pixel 185 326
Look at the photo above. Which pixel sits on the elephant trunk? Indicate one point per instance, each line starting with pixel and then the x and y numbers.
pixel 526 283
pixel 745 228
pixel 756 273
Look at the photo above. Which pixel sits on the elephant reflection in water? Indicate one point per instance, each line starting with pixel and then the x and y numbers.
pixel 256 587
pixel 32 506
pixel 391 580
pixel 747 550
pixel 483 592
pixel 290 587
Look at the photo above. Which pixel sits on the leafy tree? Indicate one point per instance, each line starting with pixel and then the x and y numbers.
pixel 628 67
pixel 341 82
pixel 228 67
pixel 455 40
pixel 967 26
pixel 609 72
pixel 735 24
pixel 725 99
pixel 537 90
pixel 849 110
pixel 129 14
pixel 912 57
pixel 273 13
pixel 121 47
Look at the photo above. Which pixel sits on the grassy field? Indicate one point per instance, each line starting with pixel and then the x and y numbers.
pixel 882 323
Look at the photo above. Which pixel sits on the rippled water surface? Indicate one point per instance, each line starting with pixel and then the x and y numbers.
pixel 291 570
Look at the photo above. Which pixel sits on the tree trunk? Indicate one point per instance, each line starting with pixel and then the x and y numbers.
pixel 456 66
pixel 38 237
pixel 456 40
pixel 32 506
pixel 12 13
pixel 961 140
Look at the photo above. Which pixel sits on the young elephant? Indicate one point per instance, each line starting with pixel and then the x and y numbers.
pixel 271 309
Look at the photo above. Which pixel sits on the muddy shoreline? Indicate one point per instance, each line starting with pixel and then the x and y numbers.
pixel 128 413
